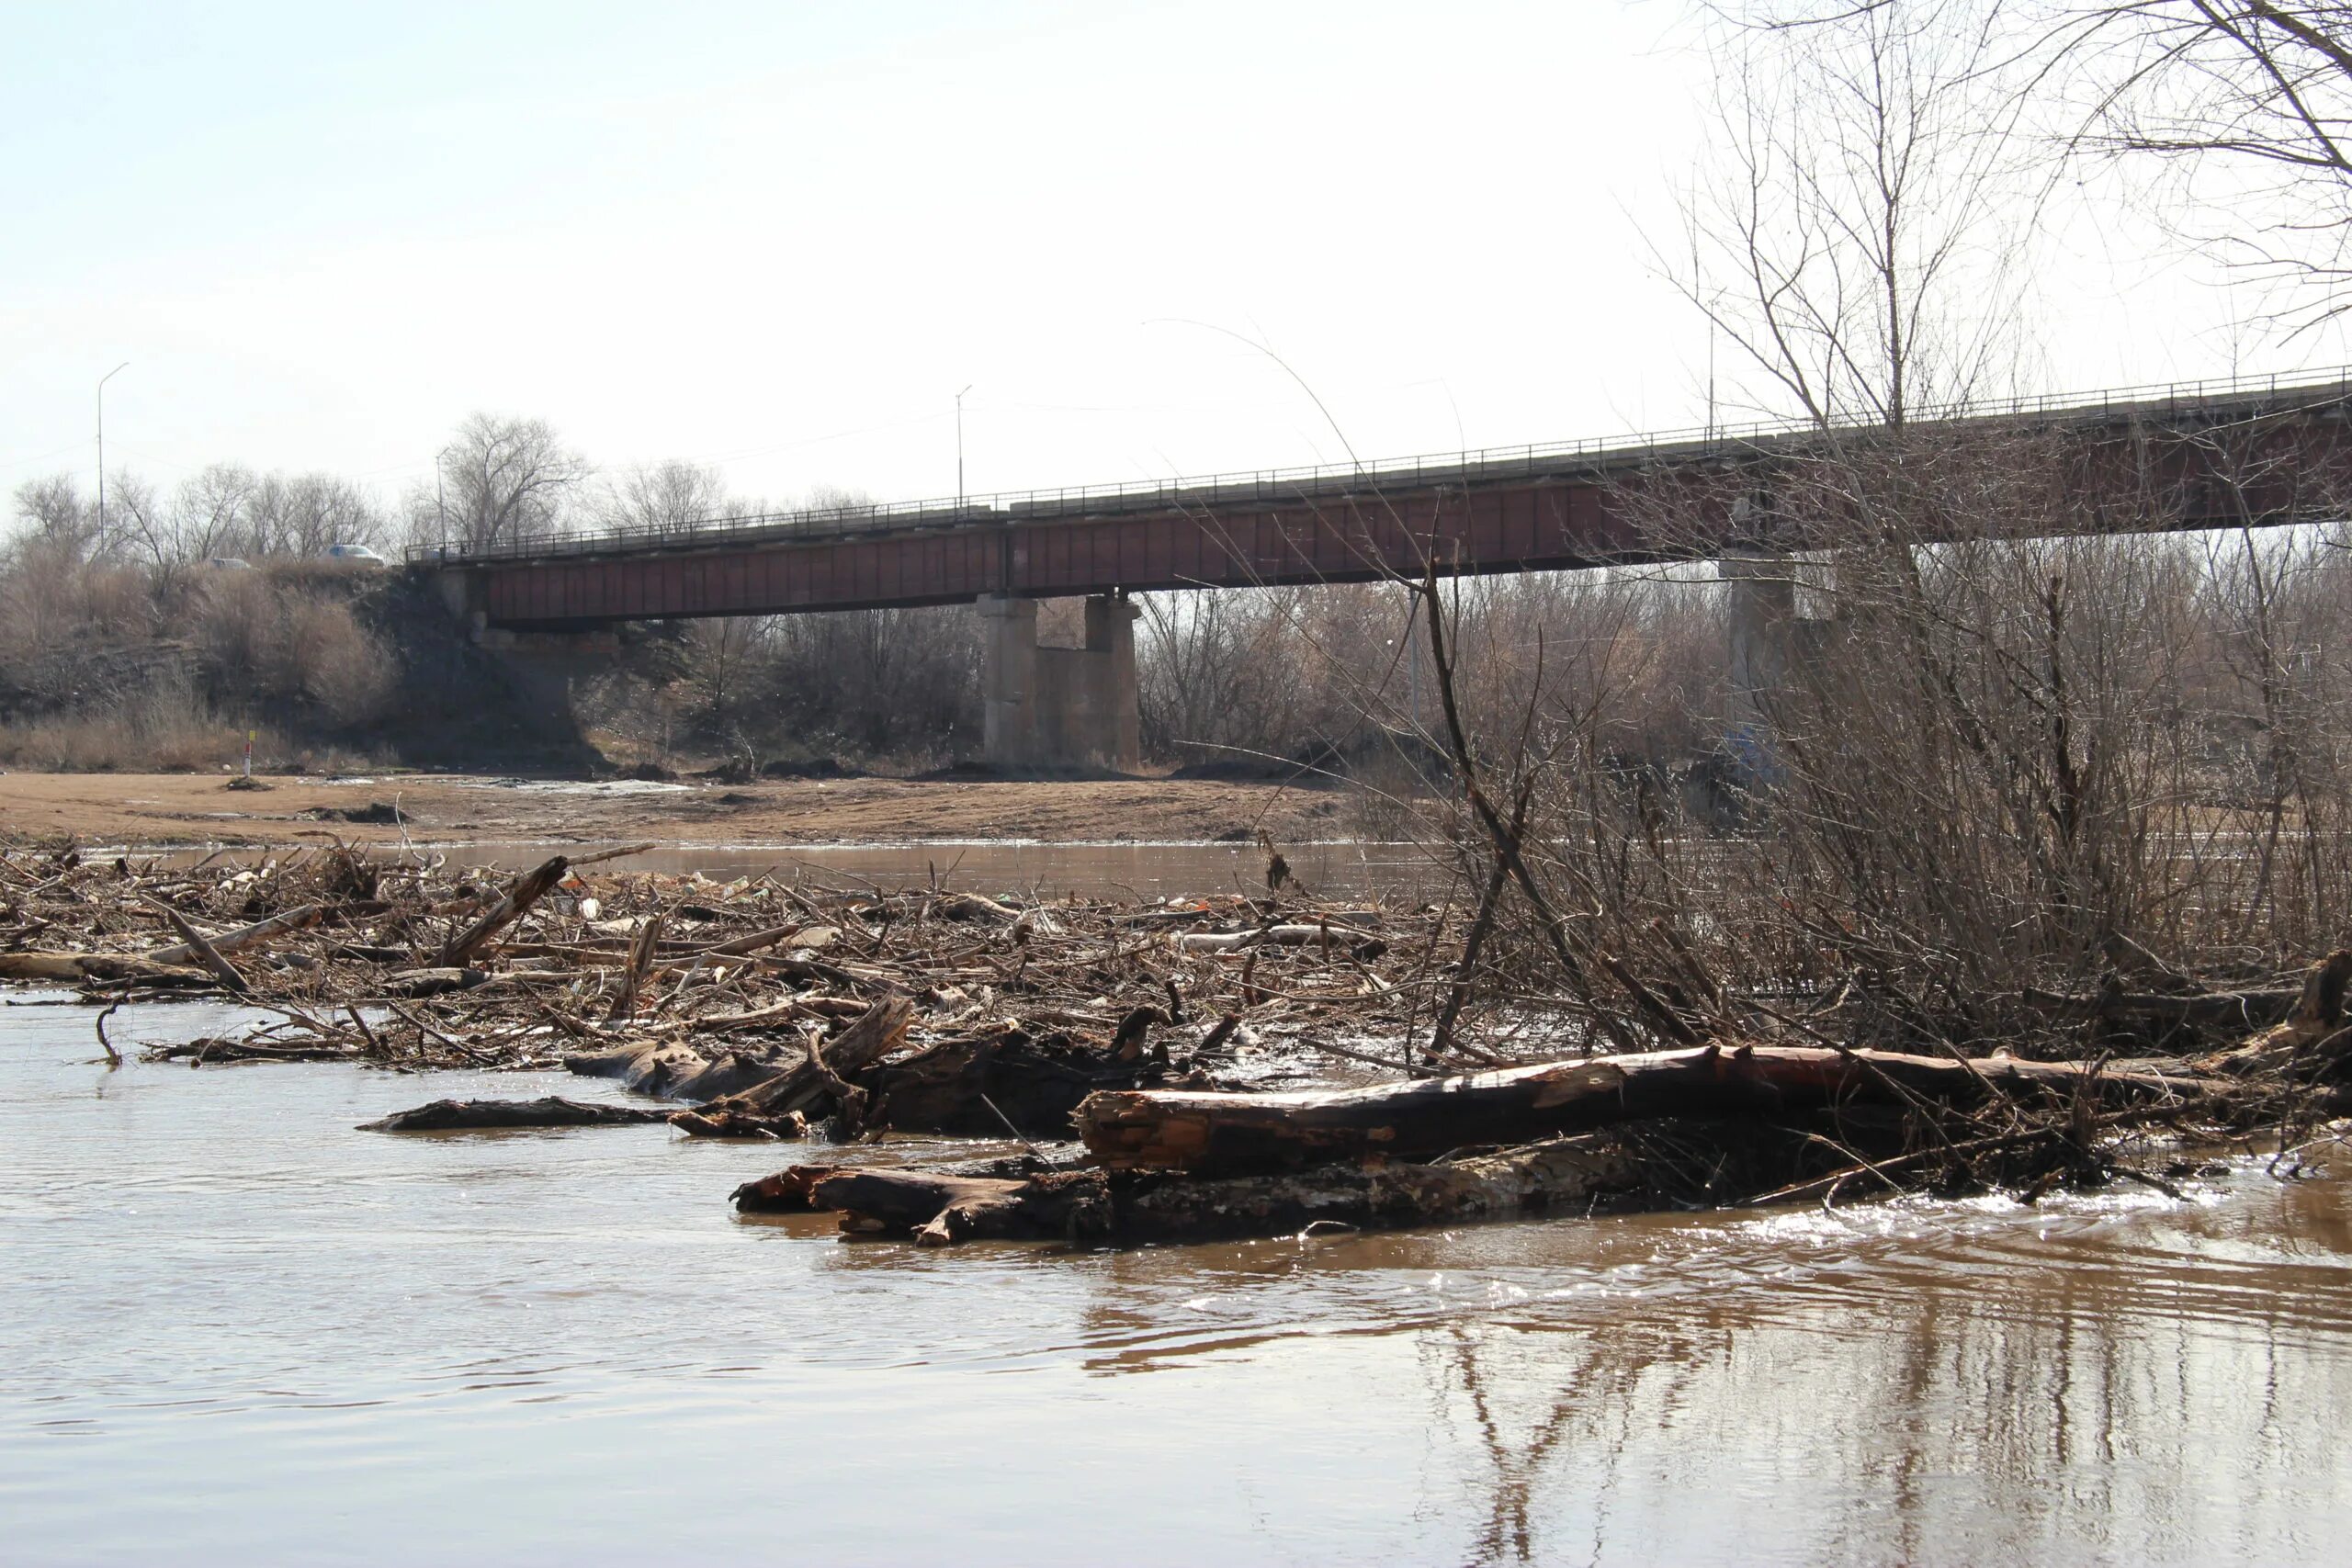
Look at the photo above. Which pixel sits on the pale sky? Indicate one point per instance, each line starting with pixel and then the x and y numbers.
pixel 777 237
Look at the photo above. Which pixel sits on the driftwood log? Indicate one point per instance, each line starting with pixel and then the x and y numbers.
pixel 487 1115
pixel 939 1209
pixel 527 890
pixel 100 968
pixel 802 1085
pixel 202 946
pixel 243 937
pixel 1217 1132
pixel 2314 1027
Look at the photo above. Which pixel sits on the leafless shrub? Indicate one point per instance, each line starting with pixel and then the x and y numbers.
pixel 2000 752
pixel 235 626
pixel 165 726
pixel 326 657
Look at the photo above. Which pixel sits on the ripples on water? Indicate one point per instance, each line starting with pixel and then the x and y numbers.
pixel 233 1328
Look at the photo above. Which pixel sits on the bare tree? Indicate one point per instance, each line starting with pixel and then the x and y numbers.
pixel 301 514
pixel 2250 101
pixel 1867 206
pixel 662 498
pixel 503 478
pixel 142 522
pixel 52 515
pixel 723 654
pixel 210 514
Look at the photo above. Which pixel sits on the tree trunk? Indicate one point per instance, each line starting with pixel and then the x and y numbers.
pixel 244 936
pixel 940 1209
pixel 1210 1133
pixel 1556 1173
pixel 82 968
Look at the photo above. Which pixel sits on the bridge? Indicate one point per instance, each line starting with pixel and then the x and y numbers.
pixel 2193 455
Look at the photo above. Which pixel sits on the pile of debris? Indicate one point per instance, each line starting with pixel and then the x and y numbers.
pixel 770 1004
pixel 1711 1124
pixel 776 1007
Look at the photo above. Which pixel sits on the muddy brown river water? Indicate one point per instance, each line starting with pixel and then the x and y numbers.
pixel 234 1330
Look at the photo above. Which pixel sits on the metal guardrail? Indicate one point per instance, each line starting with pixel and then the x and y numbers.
pixel 1310 481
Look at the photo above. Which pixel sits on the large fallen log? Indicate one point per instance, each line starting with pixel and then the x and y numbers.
pixel 939 1209
pixel 244 936
pixel 1217 1132
pixel 104 968
pixel 490 1115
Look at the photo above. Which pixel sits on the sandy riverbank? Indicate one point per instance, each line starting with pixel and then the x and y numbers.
pixel 142 809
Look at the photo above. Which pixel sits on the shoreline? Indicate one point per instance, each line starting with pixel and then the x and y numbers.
pixel 169 813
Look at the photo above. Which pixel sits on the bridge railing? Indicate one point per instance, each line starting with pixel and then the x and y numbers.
pixel 1331 480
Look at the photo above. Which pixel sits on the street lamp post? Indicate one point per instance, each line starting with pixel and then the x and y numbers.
pixel 440 500
pixel 959 450
pixel 102 442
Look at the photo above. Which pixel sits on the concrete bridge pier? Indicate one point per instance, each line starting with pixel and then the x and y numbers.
pixel 1060 709
pixel 1762 612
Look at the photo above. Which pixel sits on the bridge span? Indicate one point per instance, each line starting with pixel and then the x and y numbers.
pixel 2195 456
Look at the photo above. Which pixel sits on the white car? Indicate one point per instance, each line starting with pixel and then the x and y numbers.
pixel 356 552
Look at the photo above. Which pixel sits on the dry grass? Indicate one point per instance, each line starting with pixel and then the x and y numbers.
pixel 163 730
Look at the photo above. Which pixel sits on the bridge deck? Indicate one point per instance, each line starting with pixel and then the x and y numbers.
pixel 1535 507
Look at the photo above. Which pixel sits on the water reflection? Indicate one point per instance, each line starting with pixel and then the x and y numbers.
pixel 2116 1379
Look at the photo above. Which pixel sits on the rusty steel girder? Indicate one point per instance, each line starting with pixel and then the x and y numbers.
pixel 2191 467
